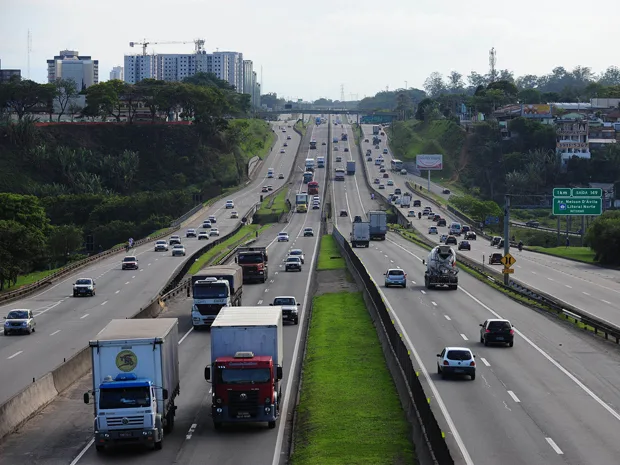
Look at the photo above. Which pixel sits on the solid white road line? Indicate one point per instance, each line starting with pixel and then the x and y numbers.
pixel 514 396
pixel 554 446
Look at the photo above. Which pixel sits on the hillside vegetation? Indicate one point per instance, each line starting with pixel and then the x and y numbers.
pixel 411 138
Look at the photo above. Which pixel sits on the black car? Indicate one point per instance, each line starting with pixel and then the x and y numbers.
pixel 496 330
pixel 470 236
pixel 495 240
pixel 495 259
pixel 343 213
pixel 532 224
pixel 451 240
pixel 464 245
pixel 441 222
pixel 417 203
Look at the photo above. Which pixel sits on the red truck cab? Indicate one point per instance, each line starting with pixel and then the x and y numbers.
pixel 253 262
pixel 245 389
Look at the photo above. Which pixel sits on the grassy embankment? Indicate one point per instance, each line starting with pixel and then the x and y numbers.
pixel 302 126
pixel 271 208
pixel 344 364
pixel 244 234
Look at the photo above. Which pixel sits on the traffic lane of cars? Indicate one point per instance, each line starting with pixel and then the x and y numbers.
pixel 194 439
pixel 550 403
pixel 579 284
pixel 57 312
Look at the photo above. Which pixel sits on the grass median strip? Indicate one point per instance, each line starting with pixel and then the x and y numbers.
pixel 275 205
pixel 349 410
pixel 329 255
pixel 244 234
pixel 582 254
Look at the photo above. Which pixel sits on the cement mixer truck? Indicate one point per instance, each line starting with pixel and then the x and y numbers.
pixel 441 268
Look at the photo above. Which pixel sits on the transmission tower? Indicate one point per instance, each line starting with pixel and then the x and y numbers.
pixel 342 97
pixel 492 62
pixel 29 50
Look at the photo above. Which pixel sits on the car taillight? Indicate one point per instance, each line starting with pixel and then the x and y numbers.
pixel 487 330
pixel 445 362
pixel 512 331
pixel 472 364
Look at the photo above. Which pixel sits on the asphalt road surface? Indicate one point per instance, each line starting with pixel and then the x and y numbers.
pixel 588 287
pixel 65 324
pixel 550 399
pixel 62 434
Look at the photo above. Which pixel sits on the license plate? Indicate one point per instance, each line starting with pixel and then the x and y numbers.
pixel 243 415
pixel 458 370
pixel 499 338
pixel 125 435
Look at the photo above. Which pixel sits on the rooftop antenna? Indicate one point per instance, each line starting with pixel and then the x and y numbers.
pixel 29 50
pixel 492 63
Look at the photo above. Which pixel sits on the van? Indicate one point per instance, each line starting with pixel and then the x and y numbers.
pixel 455 229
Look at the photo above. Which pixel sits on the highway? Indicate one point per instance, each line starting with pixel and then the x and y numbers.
pixel 65 324
pixel 590 288
pixel 546 400
pixel 62 433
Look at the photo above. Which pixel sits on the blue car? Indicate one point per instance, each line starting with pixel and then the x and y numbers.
pixel 395 277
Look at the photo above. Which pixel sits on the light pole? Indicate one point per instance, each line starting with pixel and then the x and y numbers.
pixel 406 87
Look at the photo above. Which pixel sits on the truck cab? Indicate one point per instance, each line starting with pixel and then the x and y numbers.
pixel 253 262
pixel 213 288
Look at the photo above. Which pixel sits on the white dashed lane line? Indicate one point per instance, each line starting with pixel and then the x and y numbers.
pixel 434 304
pixel 464 337
pixel 14 355
pixel 514 396
pixel 117 292
pixel 55 332
pixel 83 316
pixel 484 360
pixel 554 446
pixel 422 291
pixel 260 302
pixel 447 317
pixel 104 302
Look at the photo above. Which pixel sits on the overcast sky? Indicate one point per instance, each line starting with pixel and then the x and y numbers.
pixel 308 49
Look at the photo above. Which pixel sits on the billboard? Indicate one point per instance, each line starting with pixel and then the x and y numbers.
pixel 537 110
pixel 429 162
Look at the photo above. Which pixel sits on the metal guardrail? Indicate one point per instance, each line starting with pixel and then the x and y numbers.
pixel 187 215
pixel 24 291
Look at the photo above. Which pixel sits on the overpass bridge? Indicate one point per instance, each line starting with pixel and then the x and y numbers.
pixel 363 116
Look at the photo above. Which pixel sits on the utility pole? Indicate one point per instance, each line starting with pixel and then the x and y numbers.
pixel 506 233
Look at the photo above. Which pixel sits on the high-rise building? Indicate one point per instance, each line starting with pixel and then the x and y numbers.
pixel 7 74
pixel 248 69
pixel 117 73
pixel 231 68
pixel 83 70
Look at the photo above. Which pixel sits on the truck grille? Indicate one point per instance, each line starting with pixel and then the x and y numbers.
pixel 209 309
pixel 126 422
pixel 248 405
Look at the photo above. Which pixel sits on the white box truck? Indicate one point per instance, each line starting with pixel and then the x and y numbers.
pixel 378 225
pixel 360 234
pixel 135 371
pixel 405 201
pixel 247 361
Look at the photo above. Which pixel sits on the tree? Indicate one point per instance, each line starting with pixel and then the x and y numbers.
pixel 529 81
pixel 427 102
pixel 603 236
pixel 202 79
pixel 65 90
pixel 22 96
pixel 64 240
pixel 434 85
pixel 529 96
pixel 610 77
pixel 153 94
pixel 475 79
pixel 455 82
pixel 105 98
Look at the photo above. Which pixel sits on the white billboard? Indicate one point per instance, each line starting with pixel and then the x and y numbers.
pixel 429 162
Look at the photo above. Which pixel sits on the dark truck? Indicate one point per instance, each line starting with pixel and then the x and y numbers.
pixel 253 262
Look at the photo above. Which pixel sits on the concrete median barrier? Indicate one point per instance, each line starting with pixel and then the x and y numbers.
pixel 73 369
pixel 19 408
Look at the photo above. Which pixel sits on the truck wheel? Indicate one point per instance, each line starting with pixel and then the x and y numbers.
pixel 99 448
pixel 272 424
pixel 159 445
pixel 169 421
pixel 297 322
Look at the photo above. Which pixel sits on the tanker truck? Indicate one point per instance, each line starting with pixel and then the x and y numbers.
pixel 441 268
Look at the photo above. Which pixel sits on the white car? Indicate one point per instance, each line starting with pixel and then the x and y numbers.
pixel 212 219
pixel 190 233
pixel 203 235
pixel 178 250
pixel 288 137
pixel 20 320
pixel 283 237
pixel 230 204
pixel 84 286
pixel 280 176
pixel 381 186
pixel 214 232
pixel 282 151
pixel 433 230
pixel 411 214
pixel 298 253
pixel 161 246
pixel 456 361
pixel 234 215
pixel 206 225
pixel 174 240
pixel 289 308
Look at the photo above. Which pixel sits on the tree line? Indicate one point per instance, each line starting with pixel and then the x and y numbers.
pixel 202 97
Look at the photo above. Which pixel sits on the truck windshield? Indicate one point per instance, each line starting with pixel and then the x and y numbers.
pixel 245 259
pixel 115 398
pixel 210 291
pixel 244 376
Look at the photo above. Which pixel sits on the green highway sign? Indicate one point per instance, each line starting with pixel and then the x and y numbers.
pixel 577 206
pixel 587 192
pixel 561 192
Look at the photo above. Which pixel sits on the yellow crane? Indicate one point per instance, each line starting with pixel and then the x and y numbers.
pixel 198 43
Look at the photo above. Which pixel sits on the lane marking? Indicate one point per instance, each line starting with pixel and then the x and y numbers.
pixel 142 270
pixel 514 396
pixel 583 292
pixel 551 279
pixel 82 452
pixel 413 282
pixel 422 291
pixel 570 287
pixel 259 302
pixel 55 332
pixel 554 446
pixel 607 302
pixel 15 355
pixel 464 337
pixel 186 334
pixel 447 318
pixel 484 360
pixel 116 293
pixel 147 265
pixel 127 282
pixel 133 277
pixel 533 272
pixel 84 316
pixel 434 304
pixel 191 431
pixel 49 308
pixel 104 302
pixel 267 290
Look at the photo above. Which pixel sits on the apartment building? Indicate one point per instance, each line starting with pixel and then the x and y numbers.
pixel 117 73
pixel 69 64
pixel 7 74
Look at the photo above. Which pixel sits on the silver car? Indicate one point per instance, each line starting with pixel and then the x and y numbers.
pixel 20 320
pixel 84 286
pixel 161 246
pixel 178 250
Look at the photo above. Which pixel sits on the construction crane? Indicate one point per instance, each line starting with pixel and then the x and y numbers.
pixel 198 43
